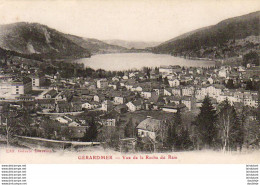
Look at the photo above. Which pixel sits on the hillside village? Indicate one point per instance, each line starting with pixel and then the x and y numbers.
pixel 122 108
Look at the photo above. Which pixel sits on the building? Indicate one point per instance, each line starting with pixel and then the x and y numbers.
pixel 23 86
pixel 214 90
pixel 98 98
pixel 102 83
pixel 223 73
pixel 177 91
pixel 170 108
pixel 189 102
pixel 149 128
pixel 119 100
pixel 110 119
pixel 134 106
pixel 87 105
pixel 50 94
pixel 173 108
pixel 62 120
pixel 188 91
pixel 37 80
pixel 90 105
pixel 174 83
pixel 107 106
pixel 146 94
pixel 10 87
pixel 169 70
pixel 167 92
pixel 64 106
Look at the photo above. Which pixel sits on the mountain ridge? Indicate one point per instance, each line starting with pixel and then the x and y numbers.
pixel 228 38
pixel 39 40
pixel 95 46
pixel 34 38
pixel 131 44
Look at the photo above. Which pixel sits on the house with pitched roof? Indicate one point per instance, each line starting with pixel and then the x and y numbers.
pixel 174 83
pixel 110 119
pixel 167 92
pixel 50 94
pixel 134 105
pixel 149 128
pixel 107 106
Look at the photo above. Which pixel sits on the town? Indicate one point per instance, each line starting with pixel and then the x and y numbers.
pixel 151 109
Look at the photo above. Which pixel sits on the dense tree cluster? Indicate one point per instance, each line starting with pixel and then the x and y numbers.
pixel 251 58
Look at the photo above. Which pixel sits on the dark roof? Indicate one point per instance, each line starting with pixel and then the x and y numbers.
pixel 137 102
pixel 155 99
pixel 111 115
pixel 121 106
pixel 173 106
pixel 45 101
pixel 51 92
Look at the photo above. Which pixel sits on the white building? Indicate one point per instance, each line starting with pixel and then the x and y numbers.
pixel 174 83
pixel 107 106
pixel 134 106
pixel 10 88
pixel 149 128
pixel 223 73
pixel 87 106
pixel 119 100
pixel 214 90
pixel 37 80
pixel 176 92
pixel 62 120
pixel 148 94
pixel 169 70
pixel 167 92
pixel 188 91
pixel 102 83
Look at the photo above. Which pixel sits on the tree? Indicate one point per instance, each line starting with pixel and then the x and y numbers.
pixel 251 127
pixel 178 136
pixel 258 108
pixel 177 117
pixel 25 122
pixel 160 78
pixel 148 73
pixel 91 132
pixel 172 135
pixel 241 129
pixel 251 57
pixel 166 81
pixel 129 130
pixel 11 125
pixel 206 123
pixel 51 128
pixel 229 126
pixel 230 84
pixel 184 140
pixel 249 85
pixel 162 134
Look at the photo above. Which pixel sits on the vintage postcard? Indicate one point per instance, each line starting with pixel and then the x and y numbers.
pixel 121 81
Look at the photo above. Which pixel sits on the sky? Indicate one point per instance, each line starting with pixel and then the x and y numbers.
pixel 134 20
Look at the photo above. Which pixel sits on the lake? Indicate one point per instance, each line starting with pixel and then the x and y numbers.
pixel 125 61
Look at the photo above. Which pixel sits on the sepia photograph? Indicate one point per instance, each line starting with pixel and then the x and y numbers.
pixel 121 81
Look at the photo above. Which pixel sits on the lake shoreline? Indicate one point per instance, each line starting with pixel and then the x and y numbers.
pixel 130 61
